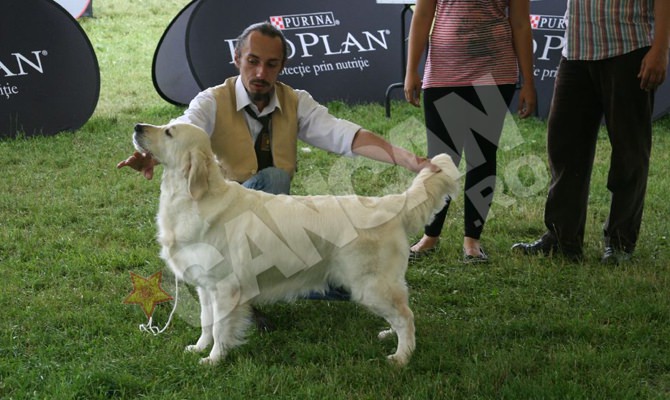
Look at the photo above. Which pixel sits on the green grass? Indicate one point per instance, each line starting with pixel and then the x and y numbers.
pixel 72 227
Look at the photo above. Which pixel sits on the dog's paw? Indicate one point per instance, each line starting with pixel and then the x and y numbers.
pixel 215 356
pixel 209 361
pixel 385 334
pixel 194 348
pixel 396 360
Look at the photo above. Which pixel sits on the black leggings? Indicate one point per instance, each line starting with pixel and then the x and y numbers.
pixel 471 119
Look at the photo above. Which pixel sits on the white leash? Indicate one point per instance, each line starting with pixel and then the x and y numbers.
pixel 155 330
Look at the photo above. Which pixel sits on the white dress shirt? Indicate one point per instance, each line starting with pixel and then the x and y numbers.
pixel 316 126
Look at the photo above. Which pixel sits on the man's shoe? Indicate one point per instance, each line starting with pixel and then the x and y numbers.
pixel 547 245
pixel 263 323
pixel 543 246
pixel 333 293
pixel 613 256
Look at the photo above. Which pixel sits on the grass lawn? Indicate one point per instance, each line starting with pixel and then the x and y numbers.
pixel 72 228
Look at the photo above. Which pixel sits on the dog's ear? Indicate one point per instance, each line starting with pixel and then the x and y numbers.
pixel 197 174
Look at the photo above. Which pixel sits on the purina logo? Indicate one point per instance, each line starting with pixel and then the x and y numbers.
pixel 301 21
pixel 548 22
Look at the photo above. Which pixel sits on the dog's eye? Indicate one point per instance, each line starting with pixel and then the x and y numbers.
pixel 168 133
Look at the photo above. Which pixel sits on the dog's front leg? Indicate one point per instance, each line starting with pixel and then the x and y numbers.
pixel 206 321
pixel 230 324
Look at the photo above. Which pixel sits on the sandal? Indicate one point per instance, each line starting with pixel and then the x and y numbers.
pixel 478 259
pixel 418 255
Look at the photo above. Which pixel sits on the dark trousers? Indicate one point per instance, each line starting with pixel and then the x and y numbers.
pixel 471 119
pixel 585 92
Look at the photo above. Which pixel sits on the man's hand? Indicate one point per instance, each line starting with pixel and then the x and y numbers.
pixel 423 162
pixel 140 162
pixel 653 68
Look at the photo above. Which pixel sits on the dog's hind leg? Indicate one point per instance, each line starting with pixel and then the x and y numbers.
pixel 206 321
pixel 228 329
pixel 391 303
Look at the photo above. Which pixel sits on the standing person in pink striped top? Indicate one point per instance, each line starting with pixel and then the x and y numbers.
pixel 476 50
pixel 616 56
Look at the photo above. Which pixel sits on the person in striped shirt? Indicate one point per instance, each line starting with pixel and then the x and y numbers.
pixel 616 56
pixel 476 51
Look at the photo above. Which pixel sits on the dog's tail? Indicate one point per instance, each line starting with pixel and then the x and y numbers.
pixel 428 193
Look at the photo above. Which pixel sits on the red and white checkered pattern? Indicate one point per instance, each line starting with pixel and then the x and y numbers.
pixel 277 22
pixel 534 21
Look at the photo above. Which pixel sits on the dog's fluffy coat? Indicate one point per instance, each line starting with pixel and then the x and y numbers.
pixel 241 247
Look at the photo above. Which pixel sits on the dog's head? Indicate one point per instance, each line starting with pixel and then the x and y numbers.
pixel 178 146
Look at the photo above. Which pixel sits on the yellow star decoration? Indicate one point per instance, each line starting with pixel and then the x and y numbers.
pixel 147 292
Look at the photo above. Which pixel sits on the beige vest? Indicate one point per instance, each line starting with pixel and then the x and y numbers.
pixel 232 141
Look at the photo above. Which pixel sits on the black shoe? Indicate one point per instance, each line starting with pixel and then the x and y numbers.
pixel 263 323
pixel 333 293
pixel 546 245
pixel 613 256
pixel 540 246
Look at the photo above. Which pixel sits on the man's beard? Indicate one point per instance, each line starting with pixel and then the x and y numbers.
pixel 259 97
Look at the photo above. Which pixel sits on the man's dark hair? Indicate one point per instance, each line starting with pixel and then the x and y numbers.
pixel 265 28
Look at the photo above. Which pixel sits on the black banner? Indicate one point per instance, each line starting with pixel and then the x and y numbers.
pixel 346 50
pixel 49 76
pixel 170 70
pixel 547 20
pixel 548 24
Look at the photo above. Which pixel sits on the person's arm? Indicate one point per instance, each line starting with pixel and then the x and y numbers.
pixel 321 129
pixel 422 20
pixel 522 38
pixel 655 63
pixel 375 147
pixel 140 162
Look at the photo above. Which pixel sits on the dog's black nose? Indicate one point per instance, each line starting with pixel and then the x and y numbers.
pixel 139 128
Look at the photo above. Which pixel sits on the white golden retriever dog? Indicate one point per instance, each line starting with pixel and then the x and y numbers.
pixel 241 247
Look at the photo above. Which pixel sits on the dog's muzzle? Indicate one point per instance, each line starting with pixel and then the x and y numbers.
pixel 138 138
